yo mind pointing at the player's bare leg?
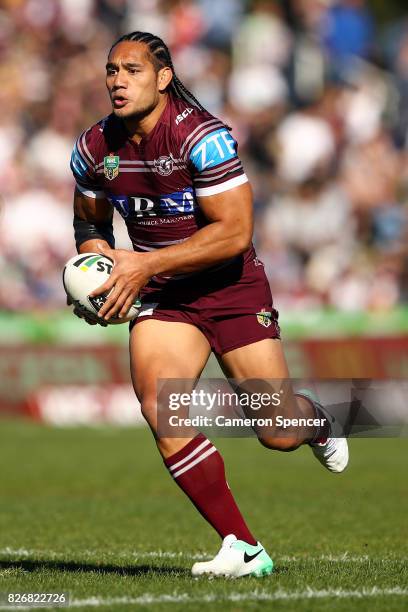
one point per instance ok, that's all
(177, 350)
(160, 350)
(265, 360)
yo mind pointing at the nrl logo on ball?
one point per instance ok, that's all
(164, 165)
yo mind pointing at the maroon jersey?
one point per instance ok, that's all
(154, 184)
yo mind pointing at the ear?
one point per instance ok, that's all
(164, 77)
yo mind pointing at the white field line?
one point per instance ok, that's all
(96, 554)
(183, 598)
(166, 554)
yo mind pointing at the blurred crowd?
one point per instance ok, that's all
(316, 92)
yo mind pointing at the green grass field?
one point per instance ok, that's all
(93, 512)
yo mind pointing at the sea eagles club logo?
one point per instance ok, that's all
(111, 166)
(164, 165)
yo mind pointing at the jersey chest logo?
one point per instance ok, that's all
(111, 166)
(137, 207)
(164, 165)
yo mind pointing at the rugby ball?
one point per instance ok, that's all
(86, 272)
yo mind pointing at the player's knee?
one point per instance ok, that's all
(148, 407)
(281, 444)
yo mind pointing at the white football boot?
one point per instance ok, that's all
(333, 453)
(235, 559)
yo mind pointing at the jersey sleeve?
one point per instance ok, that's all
(83, 167)
(212, 152)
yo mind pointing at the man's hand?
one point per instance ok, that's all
(83, 313)
(127, 278)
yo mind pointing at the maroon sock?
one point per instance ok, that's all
(198, 469)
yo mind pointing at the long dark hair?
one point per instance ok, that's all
(161, 58)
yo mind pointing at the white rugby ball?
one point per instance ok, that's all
(84, 273)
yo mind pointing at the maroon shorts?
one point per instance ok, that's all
(232, 307)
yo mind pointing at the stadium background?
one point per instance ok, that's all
(317, 95)
(316, 92)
